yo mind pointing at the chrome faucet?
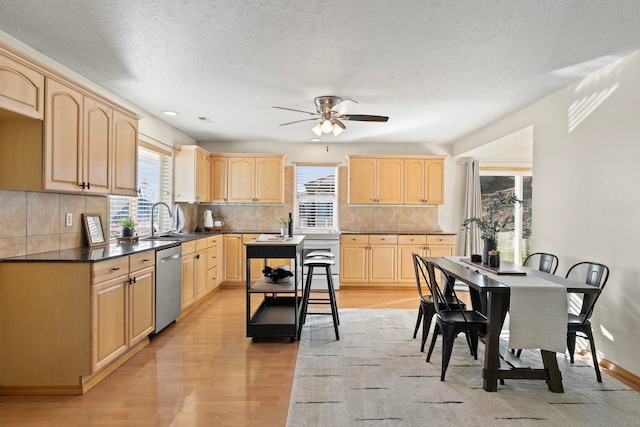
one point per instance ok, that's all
(152, 209)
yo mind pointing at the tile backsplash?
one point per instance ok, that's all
(32, 222)
(352, 218)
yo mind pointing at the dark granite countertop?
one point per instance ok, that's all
(94, 254)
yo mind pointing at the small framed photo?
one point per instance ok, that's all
(93, 228)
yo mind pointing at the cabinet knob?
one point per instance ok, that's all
(115, 268)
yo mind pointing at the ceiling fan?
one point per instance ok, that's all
(331, 111)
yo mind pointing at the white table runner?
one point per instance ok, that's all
(537, 311)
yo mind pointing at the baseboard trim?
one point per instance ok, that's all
(40, 390)
(621, 372)
(344, 285)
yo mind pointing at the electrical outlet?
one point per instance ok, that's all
(68, 219)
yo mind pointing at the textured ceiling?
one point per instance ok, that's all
(438, 69)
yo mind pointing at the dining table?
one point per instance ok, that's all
(490, 294)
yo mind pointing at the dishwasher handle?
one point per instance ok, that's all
(169, 258)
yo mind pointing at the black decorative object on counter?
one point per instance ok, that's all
(290, 231)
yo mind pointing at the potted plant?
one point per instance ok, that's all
(494, 220)
(128, 226)
(284, 226)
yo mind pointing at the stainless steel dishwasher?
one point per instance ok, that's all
(168, 286)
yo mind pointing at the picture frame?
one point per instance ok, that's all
(93, 229)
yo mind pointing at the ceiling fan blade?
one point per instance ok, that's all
(299, 111)
(364, 118)
(297, 121)
(345, 105)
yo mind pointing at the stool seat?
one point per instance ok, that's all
(320, 261)
(326, 254)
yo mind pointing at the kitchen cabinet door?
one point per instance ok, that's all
(218, 166)
(269, 179)
(188, 268)
(233, 258)
(241, 182)
(109, 321)
(375, 180)
(141, 304)
(362, 180)
(125, 155)
(192, 174)
(424, 181)
(21, 88)
(96, 154)
(389, 178)
(383, 258)
(407, 244)
(434, 187)
(200, 274)
(63, 159)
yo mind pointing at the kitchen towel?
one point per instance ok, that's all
(177, 218)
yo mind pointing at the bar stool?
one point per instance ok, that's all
(320, 259)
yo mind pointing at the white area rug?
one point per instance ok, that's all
(377, 376)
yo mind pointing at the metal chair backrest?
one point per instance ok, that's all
(591, 273)
(542, 261)
(422, 278)
(440, 301)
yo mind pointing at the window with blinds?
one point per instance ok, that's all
(316, 198)
(154, 185)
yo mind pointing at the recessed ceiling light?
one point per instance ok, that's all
(316, 139)
(170, 113)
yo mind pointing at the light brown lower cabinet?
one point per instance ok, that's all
(123, 295)
(386, 259)
(194, 271)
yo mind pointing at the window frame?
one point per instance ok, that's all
(138, 207)
(324, 199)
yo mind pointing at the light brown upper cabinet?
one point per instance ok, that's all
(375, 180)
(61, 136)
(21, 89)
(258, 179)
(218, 181)
(191, 174)
(64, 145)
(424, 181)
(125, 155)
(89, 147)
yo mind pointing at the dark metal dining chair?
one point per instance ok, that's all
(451, 320)
(426, 309)
(542, 261)
(594, 274)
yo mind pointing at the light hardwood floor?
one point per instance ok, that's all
(200, 371)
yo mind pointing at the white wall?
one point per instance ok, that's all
(586, 200)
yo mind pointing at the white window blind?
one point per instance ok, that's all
(154, 185)
(316, 198)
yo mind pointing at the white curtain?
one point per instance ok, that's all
(473, 208)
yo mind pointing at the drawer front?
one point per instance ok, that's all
(383, 239)
(202, 244)
(188, 247)
(440, 240)
(346, 239)
(413, 239)
(212, 257)
(107, 270)
(212, 241)
(142, 260)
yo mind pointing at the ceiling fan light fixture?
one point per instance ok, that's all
(326, 126)
(317, 129)
(338, 127)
